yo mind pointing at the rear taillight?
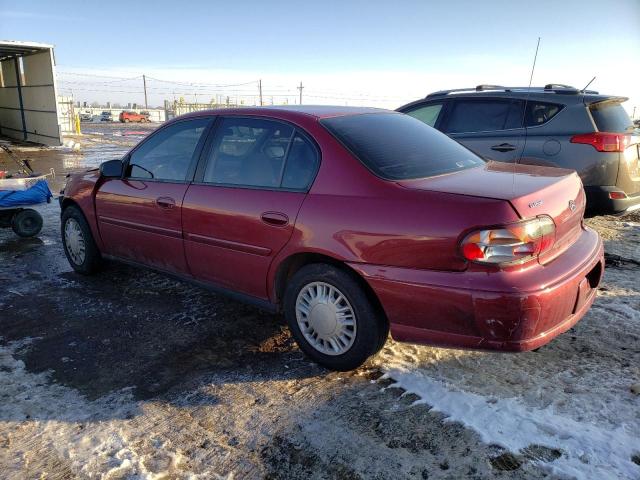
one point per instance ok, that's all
(509, 244)
(617, 195)
(603, 141)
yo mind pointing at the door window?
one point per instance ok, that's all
(478, 116)
(427, 114)
(301, 166)
(168, 154)
(262, 153)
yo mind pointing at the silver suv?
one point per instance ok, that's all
(554, 125)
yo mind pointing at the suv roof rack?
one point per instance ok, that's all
(550, 87)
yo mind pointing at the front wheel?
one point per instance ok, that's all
(331, 317)
(78, 243)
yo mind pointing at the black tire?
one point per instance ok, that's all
(371, 325)
(92, 259)
(26, 223)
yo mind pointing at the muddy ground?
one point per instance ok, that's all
(129, 374)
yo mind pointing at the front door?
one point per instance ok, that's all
(241, 210)
(140, 215)
(490, 127)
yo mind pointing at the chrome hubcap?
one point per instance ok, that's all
(74, 241)
(326, 318)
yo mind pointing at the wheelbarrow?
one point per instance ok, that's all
(18, 194)
(15, 206)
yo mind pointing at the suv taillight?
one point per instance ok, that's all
(510, 244)
(603, 141)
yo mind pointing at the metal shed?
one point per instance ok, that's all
(28, 106)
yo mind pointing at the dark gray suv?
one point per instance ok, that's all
(556, 125)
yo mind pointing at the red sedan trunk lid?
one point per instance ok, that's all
(531, 190)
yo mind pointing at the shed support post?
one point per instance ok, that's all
(19, 85)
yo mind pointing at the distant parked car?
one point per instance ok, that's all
(560, 127)
(126, 117)
(106, 117)
(351, 221)
(86, 117)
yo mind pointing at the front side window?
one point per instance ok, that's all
(427, 114)
(168, 154)
(399, 147)
(255, 152)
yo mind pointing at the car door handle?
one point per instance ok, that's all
(504, 147)
(275, 218)
(165, 202)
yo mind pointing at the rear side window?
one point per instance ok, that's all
(478, 116)
(168, 154)
(611, 117)
(255, 152)
(399, 147)
(302, 163)
(427, 114)
(539, 113)
(248, 151)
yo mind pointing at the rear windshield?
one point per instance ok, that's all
(399, 147)
(611, 117)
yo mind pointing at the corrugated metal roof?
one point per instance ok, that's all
(12, 48)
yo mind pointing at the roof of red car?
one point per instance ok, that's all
(317, 111)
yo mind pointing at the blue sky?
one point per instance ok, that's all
(392, 49)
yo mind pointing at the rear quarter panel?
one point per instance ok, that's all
(550, 145)
(352, 216)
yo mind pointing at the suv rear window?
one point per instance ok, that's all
(399, 147)
(611, 117)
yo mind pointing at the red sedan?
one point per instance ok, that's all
(350, 221)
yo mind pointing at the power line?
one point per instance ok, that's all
(197, 85)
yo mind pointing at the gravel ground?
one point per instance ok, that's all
(129, 374)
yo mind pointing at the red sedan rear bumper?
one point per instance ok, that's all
(513, 310)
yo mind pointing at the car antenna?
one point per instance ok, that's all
(524, 112)
(585, 87)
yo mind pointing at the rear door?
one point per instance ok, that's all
(490, 127)
(241, 209)
(140, 215)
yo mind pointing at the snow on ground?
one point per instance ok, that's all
(573, 396)
(94, 438)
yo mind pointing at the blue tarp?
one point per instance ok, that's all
(38, 193)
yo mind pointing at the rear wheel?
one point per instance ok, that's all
(79, 246)
(331, 317)
(27, 223)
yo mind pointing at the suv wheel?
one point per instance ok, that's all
(79, 246)
(331, 317)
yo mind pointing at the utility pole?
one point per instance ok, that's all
(300, 88)
(260, 90)
(144, 82)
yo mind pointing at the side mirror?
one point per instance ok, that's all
(111, 169)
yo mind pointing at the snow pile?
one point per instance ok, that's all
(588, 451)
(575, 395)
(54, 423)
